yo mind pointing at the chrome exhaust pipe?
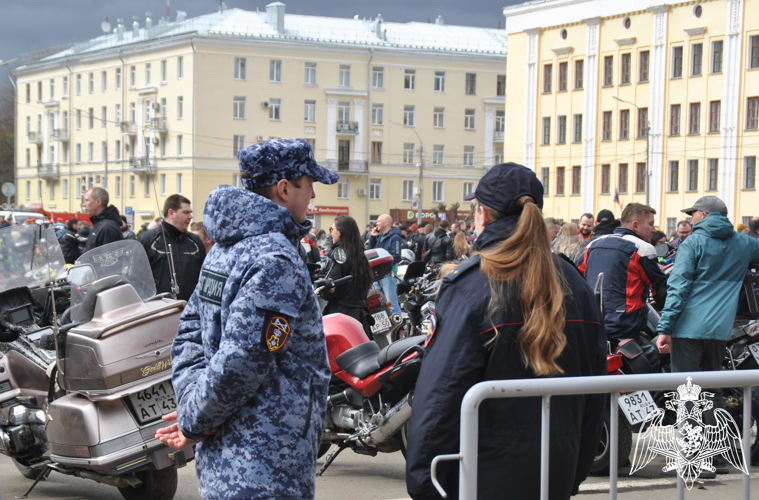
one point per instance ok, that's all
(334, 437)
(393, 420)
(5, 443)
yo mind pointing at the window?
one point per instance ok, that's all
(605, 179)
(692, 175)
(606, 132)
(408, 190)
(90, 87)
(753, 52)
(674, 176)
(438, 154)
(179, 183)
(275, 71)
(309, 111)
(310, 75)
(180, 67)
(240, 70)
(164, 71)
(749, 172)
(717, 56)
(468, 188)
(408, 152)
(117, 150)
(752, 113)
(345, 75)
(469, 119)
(409, 79)
(275, 109)
(439, 81)
(78, 84)
(375, 189)
(642, 123)
(28, 93)
(39, 190)
(624, 69)
(608, 71)
(408, 116)
(147, 74)
(91, 118)
(78, 153)
(117, 114)
(438, 118)
(378, 77)
(624, 124)
(546, 130)
(674, 119)
(500, 85)
(468, 156)
(694, 125)
(563, 70)
(500, 116)
(146, 186)
(179, 145)
(65, 189)
(163, 147)
(103, 81)
(579, 76)
(238, 142)
(713, 173)
(52, 89)
(576, 177)
(377, 114)
(65, 86)
(547, 78)
(91, 152)
(561, 135)
(438, 191)
(622, 179)
(28, 157)
(643, 70)
(559, 181)
(132, 112)
(577, 128)
(180, 108)
(545, 176)
(671, 225)
(132, 76)
(343, 186)
(677, 62)
(471, 84)
(376, 152)
(162, 184)
(697, 59)
(640, 178)
(714, 111)
(131, 186)
(343, 112)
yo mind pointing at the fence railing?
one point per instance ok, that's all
(612, 385)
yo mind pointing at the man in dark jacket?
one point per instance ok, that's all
(70, 242)
(127, 233)
(187, 249)
(384, 235)
(105, 218)
(439, 248)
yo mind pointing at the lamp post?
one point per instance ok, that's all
(421, 172)
(648, 134)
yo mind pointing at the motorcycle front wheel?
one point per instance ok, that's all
(156, 485)
(600, 465)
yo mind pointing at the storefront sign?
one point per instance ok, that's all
(320, 210)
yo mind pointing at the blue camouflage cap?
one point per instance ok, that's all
(267, 163)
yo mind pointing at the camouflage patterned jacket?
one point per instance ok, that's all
(250, 356)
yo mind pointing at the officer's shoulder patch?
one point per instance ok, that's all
(277, 332)
(211, 286)
(462, 268)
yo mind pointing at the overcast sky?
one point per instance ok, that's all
(30, 25)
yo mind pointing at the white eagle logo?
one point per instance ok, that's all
(109, 258)
(689, 445)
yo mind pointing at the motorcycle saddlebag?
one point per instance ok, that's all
(633, 360)
(748, 306)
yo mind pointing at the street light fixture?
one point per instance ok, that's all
(648, 133)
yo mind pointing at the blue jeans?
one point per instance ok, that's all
(388, 287)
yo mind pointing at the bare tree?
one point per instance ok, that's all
(7, 131)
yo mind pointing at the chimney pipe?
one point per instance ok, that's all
(119, 29)
(181, 16)
(439, 20)
(275, 16)
(378, 26)
(135, 26)
(148, 23)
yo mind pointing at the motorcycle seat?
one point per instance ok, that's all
(389, 354)
(360, 361)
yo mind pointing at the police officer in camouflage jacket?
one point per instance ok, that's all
(250, 359)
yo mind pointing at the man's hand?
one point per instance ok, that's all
(664, 344)
(173, 437)
(375, 231)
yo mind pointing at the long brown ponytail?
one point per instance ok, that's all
(525, 260)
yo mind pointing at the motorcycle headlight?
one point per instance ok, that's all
(752, 329)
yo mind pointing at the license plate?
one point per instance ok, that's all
(381, 322)
(754, 350)
(154, 402)
(637, 406)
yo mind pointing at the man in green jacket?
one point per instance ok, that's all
(703, 291)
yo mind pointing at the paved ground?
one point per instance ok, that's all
(380, 478)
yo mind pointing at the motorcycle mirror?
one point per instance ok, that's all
(81, 274)
(662, 250)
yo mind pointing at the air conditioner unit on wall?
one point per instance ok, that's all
(260, 138)
(362, 192)
(265, 104)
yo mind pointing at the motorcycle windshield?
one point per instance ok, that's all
(29, 256)
(124, 258)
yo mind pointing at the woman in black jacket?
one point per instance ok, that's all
(512, 311)
(347, 258)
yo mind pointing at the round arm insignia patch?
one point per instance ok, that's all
(277, 333)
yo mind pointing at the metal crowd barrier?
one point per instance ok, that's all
(612, 385)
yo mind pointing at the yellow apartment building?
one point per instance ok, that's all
(652, 100)
(156, 108)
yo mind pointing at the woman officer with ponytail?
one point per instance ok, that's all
(513, 311)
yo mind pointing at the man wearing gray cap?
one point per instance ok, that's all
(250, 363)
(703, 293)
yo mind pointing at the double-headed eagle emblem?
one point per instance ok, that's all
(109, 258)
(689, 445)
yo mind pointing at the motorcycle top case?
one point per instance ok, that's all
(748, 306)
(380, 261)
(126, 341)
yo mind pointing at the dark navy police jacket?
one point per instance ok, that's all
(509, 434)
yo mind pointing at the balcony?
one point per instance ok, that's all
(158, 125)
(349, 128)
(35, 137)
(498, 136)
(128, 128)
(48, 170)
(142, 164)
(61, 134)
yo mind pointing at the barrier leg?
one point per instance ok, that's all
(747, 403)
(545, 441)
(613, 444)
